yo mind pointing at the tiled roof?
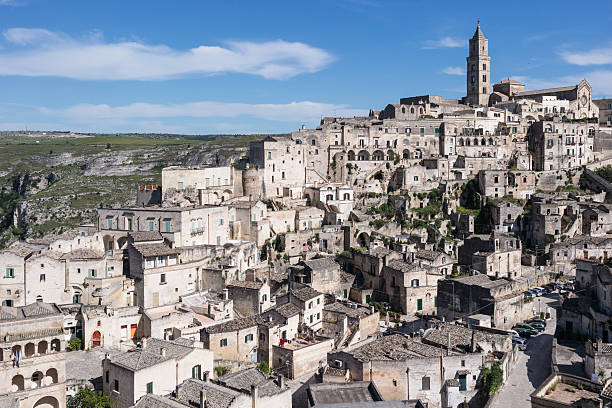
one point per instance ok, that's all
(321, 263)
(305, 293)
(35, 309)
(234, 324)
(287, 310)
(150, 354)
(148, 250)
(216, 396)
(246, 284)
(460, 337)
(19, 250)
(336, 393)
(157, 401)
(338, 307)
(242, 380)
(394, 347)
(402, 266)
(83, 254)
(144, 236)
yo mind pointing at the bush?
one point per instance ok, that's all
(264, 367)
(547, 315)
(75, 344)
(221, 371)
(86, 398)
(493, 378)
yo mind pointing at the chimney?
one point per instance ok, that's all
(372, 309)
(281, 381)
(205, 376)
(254, 396)
(202, 397)
(449, 345)
(178, 392)
(163, 352)
(225, 294)
(473, 342)
(143, 343)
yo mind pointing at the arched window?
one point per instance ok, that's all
(403, 110)
(414, 283)
(411, 110)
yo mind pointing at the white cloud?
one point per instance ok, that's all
(39, 52)
(290, 112)
(444, 42)
(599, 56)
(454, 71)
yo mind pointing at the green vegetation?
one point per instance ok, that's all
(86, 398)
(76, 189)
(463, 210)
(493, 378)
(264, 368)
(605, 172)
(221, 371)
(75, 344)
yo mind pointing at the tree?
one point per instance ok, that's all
(493, 378)
(264, 367)
(75, 344)
(86, 398)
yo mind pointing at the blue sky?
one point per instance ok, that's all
(257, 67)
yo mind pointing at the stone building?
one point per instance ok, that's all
(503, 183)
(245, 389)
(111, 328)
(189, 226)
(128, 376)
(505, 216)
(557, 145)
(324, 275)
(235, 340)
(12, 280)
(565, 254)
(598, 359)
(250, 297)
(249, 221)
(368, 266)
(478, 70)
(349, 324)
(31, 346)
(411, 288)
(183, 186)
(500, 299)
(605, 111)
(404, 369)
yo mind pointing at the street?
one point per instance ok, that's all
(533, 365)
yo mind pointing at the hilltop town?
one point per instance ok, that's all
(436, 253)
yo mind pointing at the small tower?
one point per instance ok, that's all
(478, 70)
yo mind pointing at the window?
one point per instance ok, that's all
(425, 383)
(484, 78)
(151, 225)
(484, 90)
(248, 338)
(313, 142)
(10, 273)
(181, 186)
(318, 316)
(310, 305)
(422, 131)
(109, 222)
(269, 155)
(162, 278)
(310, 318)
(419, 304)
(116, 386)
(462, 363)
(414, 283)
(76, 298)
(318, 301)
(43, 278)
(196, 372)
(221, 221)
(484, 67)
(92, 273)
(223, 343)
(149, 263)
(167, 226)
(150, 388)
(106, 375)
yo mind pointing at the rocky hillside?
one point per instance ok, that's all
(50, 183)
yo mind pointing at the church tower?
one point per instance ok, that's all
(478, 70)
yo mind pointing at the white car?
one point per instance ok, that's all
(519, 340)
(514, 333)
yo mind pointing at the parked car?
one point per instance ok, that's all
(514, 333)
(537, 320)
(525, 333)
(522, 343)
(538, 326)
(525, 328)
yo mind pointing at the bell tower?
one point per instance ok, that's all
(478, 70)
